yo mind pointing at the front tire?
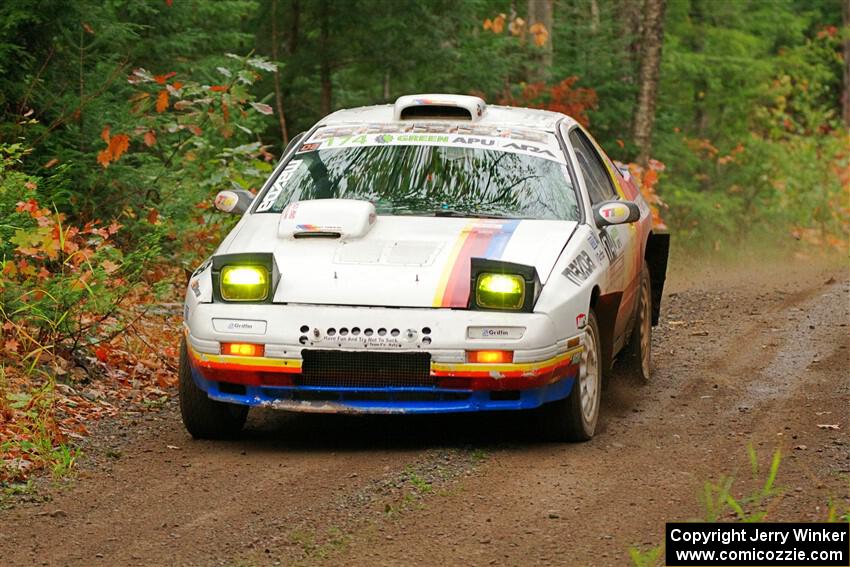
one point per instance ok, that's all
(205, 418)
(574, 418)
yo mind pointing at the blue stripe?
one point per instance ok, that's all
(500, 241)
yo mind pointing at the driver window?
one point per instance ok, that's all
(598, 182)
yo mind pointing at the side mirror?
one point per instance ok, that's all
(615, 212)
(235, 201)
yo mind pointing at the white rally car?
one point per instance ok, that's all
(435, 255)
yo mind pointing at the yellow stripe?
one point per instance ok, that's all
(450, 263)
(512, 367)
(245, 360)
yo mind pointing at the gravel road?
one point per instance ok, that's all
(753, 354)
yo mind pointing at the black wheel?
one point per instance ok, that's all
(205, 418)
(638, 354)
(574, 418)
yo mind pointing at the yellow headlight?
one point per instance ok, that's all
(500, 291)
(244, 283)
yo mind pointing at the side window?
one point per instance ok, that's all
(596, 177)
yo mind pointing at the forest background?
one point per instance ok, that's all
(120, 120)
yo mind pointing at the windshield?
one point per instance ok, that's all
(428, 180)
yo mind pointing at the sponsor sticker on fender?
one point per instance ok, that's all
(580, 268)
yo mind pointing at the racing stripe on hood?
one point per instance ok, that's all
(478, 239)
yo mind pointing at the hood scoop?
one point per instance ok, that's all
(344, 219)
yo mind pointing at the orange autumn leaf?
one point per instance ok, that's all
(219, 88)
(104, 157)
(118, 144)
(499, 23)
(162, 101)
(104, 134)
(150, 138)
(162, 79)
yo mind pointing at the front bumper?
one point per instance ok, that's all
(544, 369)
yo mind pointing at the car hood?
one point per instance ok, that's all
(400, 261)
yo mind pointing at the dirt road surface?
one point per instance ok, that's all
(757, 354)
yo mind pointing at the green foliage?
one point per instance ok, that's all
(748, 122)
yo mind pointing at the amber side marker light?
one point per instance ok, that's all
(242, 349)
(490, 356)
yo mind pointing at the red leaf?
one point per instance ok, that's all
(162, 79)
(177, 85)
(219, 88)
(102, 353)
(114, 226)
(153, 216)
(162, 101)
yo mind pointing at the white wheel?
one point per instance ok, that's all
(574, 418)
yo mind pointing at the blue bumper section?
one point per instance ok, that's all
(384, 400)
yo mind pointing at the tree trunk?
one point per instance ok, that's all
(278, 92)
(845, 95)
(540, 12)
(325, 64)
(650, 64)
(594, 16)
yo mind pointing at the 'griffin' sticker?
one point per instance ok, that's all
(580, 268)
(495, 332)
(279, 184)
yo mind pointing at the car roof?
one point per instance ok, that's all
(492, 115)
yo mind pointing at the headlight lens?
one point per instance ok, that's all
(500, 291)
(244, 283)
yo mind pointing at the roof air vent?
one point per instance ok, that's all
(439, 107)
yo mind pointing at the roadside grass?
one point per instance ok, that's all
(719, 504)
(34, 440)
(49, 399)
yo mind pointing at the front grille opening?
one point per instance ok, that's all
(314, 396)
(340, 369)
(228, 388)
(364, 396)
(505, 395)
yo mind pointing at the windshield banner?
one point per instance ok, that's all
(507, 140)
